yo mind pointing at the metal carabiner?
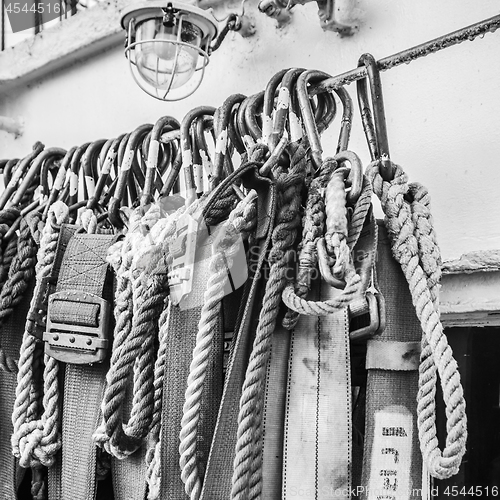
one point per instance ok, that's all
(164, 124)
(354, 179)
(309, 116)
(282, 106)
(376, 127)
(222, 125)
(18, 174)
(255, 102)
(186, 151)
(268, 104)
(129, 154)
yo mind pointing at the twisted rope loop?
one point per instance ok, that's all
(227, 244)
(246, 481)
(36, 439)
(414, 246)
(138, 302)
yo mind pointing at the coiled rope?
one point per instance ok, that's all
(242, 219)
(247, 462)
(414, 246)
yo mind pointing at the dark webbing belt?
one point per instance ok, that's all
(83, 273)
(217, 484)
(392, 463)
(12, 333)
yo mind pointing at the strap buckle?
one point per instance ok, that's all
(376, 316)
(77, 343)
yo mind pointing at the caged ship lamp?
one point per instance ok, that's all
(168, 46)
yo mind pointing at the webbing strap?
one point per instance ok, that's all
(129, 475)
(274, 412)
(12, 333)
(217, 484)
(317, 457)
(181, 339)
(83, 269)
(392, 464)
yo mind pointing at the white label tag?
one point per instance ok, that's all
(390, 469)
(73, 183)
(154, 148)
(127, 160)
(221, 143)
(283, 98)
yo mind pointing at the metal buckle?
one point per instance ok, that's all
(77, 344)
(376, 312)
(37, 317)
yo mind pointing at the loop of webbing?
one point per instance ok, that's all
(414, 246)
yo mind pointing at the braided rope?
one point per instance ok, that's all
(7, 217)
(35, 441)
(313, 228)
(248, 446)
(227, 245)
(21, 272)
(414, 246)
(154, 447)
(360, 213)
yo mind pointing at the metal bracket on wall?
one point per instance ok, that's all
(327, 11)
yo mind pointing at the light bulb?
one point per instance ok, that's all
(165, 51)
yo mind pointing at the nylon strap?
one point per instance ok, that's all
(317, 457)
(217, 484)
(274, 412)
(11, 474)
(129, 475)
(83, 269)
(392, 464)
(181, 339)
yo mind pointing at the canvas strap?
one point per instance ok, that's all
(12, 333)
(77, 334)
(181, 341)
(392, 464)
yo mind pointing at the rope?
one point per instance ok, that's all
(7, 217)
(313, 228)
(414, 246)
(138, 303)
(227, 244)
(247, 462)
(36, 440)
(21, 272)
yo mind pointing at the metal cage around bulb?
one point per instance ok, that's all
(168, 46)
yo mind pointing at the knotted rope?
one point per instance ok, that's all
(35, 440)
(247, 462)
(414, 246)
(228, 242)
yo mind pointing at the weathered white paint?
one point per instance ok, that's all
(443, 112)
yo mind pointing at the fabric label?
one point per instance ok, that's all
(390, 469)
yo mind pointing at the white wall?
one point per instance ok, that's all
(443, 111)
